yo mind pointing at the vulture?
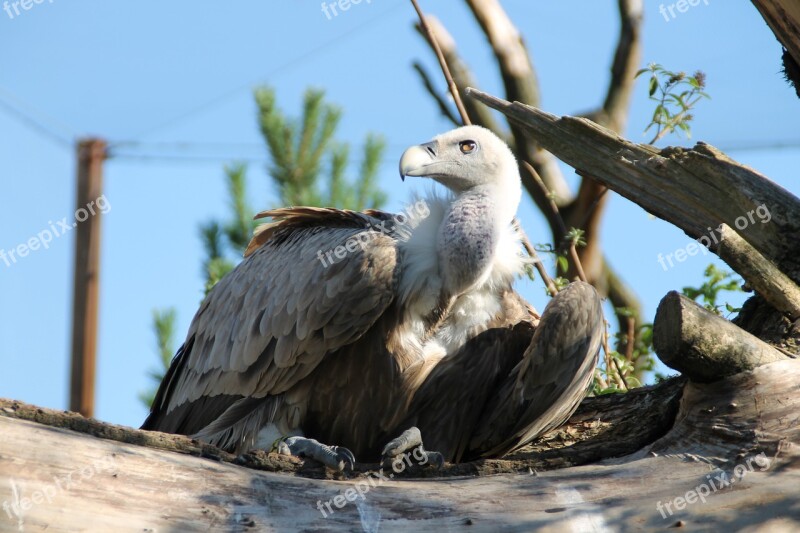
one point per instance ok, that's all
(348, 334)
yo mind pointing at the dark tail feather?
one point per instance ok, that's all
(158, 410)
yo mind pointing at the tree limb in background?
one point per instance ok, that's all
(521, 84)
(434, 42)
(586, 210)
(440, 100)
(626, 62)
(588, 207)
(462, 76)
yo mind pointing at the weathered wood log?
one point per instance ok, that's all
(734, 447)
(783, 18)
(602, 427)
(759, 272)
(702, 345)
(696, 190)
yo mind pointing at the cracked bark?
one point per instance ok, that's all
(783, 18)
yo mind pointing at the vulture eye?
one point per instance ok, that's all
(467, 147)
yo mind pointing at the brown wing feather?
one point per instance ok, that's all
(270, 322)
(446, 406)
(551, 380)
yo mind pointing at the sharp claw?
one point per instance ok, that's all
(345, 455)
(408, 440)
(334, 457)
(283, 448)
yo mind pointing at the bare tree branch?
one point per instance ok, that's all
(519, 79)
(444, 108)
(431, 36)
(626, 62)
(462, 76)
(586, 211)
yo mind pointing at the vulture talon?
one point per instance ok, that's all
(410, 441)
(347, 455)
(336, 458)
(435, 459)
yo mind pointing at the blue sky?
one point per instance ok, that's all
(147, 73)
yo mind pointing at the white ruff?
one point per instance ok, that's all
(420, 284)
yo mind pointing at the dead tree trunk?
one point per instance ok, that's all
(783, 18)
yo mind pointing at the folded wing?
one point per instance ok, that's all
(270, 322)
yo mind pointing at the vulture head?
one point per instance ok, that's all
(469, 158)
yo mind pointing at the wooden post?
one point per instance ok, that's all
(91, 153)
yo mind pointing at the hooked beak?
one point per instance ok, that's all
(417, 159)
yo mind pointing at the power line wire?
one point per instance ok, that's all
(67, 135)
(177, 151)
(189, 146)
(216, 159)
(759, 146)
(47, 126)
(182, 146)
(64, 138)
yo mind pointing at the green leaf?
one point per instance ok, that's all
(653, 85)
(732, 309)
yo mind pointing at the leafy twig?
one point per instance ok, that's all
(676, 94)
(716, 281)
